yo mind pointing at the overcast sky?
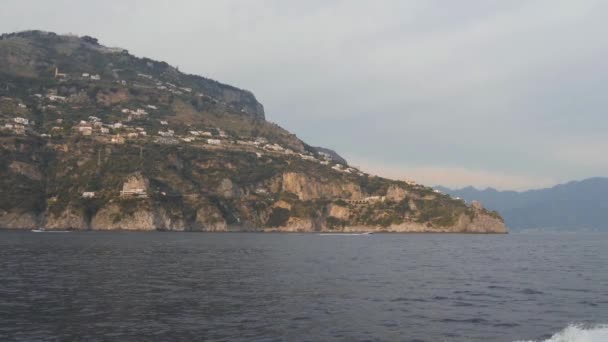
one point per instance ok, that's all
(510, 94)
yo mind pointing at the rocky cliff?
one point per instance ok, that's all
(93, 138)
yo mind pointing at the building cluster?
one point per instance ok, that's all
(182, 90)
(91, 77)
(166, 86)
(17, 125)
(88, 194)
(121, 131)
(368, 200)
(84, 75)
(134, 114)
(133, 192)
(201, 133)
(155, 83)
(350, 170)
(118, 132)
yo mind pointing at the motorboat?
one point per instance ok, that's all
(345, 234)
(42, 230)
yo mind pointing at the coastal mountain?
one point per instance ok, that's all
(580, 205)
(94, 138)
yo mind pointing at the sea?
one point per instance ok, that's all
(120, 286)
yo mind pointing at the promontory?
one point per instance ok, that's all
(94, 138)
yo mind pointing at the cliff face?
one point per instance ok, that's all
(87, 184)
(308, 187)
(93, 138)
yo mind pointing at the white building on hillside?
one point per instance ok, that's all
(22, 121)
(88, 194)
(56, 98)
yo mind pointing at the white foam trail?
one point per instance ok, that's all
(580, 333)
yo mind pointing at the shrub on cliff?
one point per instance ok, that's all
(278, 218)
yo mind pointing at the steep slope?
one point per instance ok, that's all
(580, 205)
(95, 138)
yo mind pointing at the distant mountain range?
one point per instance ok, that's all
(579, 205)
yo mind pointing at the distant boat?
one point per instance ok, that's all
(42, 230)
(345, 234)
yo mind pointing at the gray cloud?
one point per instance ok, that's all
(508, 91)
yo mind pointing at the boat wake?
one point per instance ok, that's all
(344, 234)
(581, 333)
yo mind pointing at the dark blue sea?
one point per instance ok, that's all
(120, 286)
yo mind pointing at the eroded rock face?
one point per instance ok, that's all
(412, 205)
(295, 225)
(165, 219)
(25, 169)
(216, 201)
(479, 221)
(396, 193)
(245, 98)
(308, 188)
(339, 212)
(15, 219)
(485, 224)
(136, 182)
(282, 204)
(227, 189)
(111, 217)
(482, 224)
(209, 219)
(477, 205)
(68, 219)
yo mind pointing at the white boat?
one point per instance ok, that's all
(42, 230)
(345, 234)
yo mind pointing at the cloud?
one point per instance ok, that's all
(586, 153)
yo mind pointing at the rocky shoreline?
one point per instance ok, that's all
(463, 228)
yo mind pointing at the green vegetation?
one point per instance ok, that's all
(443, 211)
(278, 217)
(335, 223)
(374, 185)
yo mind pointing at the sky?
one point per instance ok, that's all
(489, 93)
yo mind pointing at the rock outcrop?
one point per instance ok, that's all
(17, 219)
(308, 187)
(396, 193)
(70, 219)
(112, 217)
(25, 169)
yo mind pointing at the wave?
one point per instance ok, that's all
(581, 333)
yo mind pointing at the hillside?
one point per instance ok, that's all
(95, 138)
(580, 205)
